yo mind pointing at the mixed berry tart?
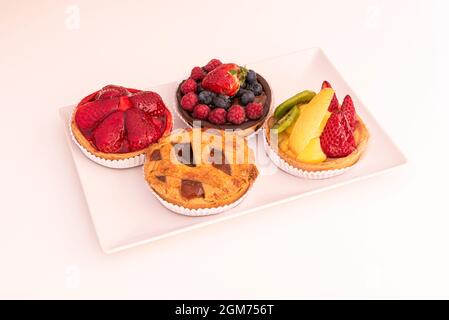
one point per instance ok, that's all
(224, 96)
(115, 125)
(314, 136)
(200, 172)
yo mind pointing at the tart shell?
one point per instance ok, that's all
(327, 169)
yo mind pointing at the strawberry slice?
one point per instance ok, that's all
(141, 130)
(348, 110)
(326, 85)
(337, 139)
(111, 91)
(334, 105)
(225, 79)
(89, 115)
(108, 136)
(149, 102)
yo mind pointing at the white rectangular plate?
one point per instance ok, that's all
(126, 214)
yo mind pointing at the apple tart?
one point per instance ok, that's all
(200, 171)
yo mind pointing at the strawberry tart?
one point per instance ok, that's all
(313, 136)
(224, 96)
(115, 125)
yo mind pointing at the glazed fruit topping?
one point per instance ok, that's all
(110, 133)
(254, 111)
(89, 115)
(120, 120)
(236, 114)
(217, 116)
(197, 73)
(348, 110)
(141, 130)
(188, 86)
(189, 101)
(211, 65)
(337, 139)
(221, 86)
(334, 105)
(225, 79)
(201, 111)
(149, 102)
(112, 91)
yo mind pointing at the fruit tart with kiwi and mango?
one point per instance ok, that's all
(315, 137)
(198, 172)
(224, 96)
(115, 125)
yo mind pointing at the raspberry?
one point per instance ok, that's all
(201, 111)
(189, 101)
(236, 114)
(217, 116)
(254, 111)
(197, 74)
(188, 86)
(212, 65)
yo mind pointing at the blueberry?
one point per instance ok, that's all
(256, 88)
(199, 88)
(251, 76)
(247, 97)
(221, 101)
(241, 92)
(205, 97)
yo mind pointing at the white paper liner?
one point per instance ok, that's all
(284, 166)
(132, 162)
(196, 212)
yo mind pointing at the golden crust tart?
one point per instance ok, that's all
(200, 168)
(118, 123)
(361, 137)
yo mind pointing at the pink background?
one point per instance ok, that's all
(382, 238)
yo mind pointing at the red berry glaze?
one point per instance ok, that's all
(236, 114)
(90, 114)
(109, 134)
(217, 116)
(141, 130)
(149, 102)
(337, 139)
(201, 111)
(211, 65)
(111, 91)
(197, 74)
(120, 120)
(188, 86)
(189, 101)
(254, 111)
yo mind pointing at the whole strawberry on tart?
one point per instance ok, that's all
(115, 125)
(314, 136)
(224, 96)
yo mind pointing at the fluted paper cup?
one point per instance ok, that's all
(131, 162)
(286, 167)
